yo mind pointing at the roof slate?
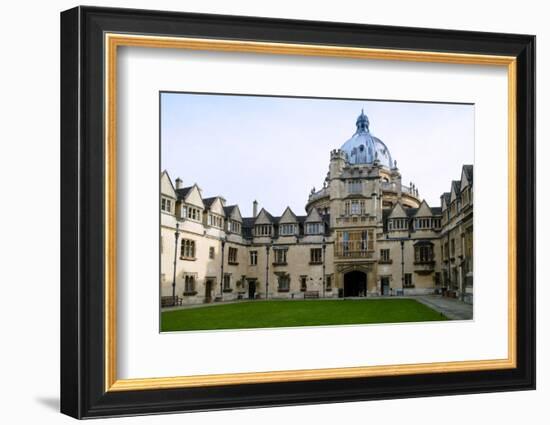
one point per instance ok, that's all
(469, 171)
(209, 201)
(182, 193)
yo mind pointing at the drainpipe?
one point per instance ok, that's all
(448, 252)
(221, 280)
(402, 266)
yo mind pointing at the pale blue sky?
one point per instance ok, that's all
(276, 149)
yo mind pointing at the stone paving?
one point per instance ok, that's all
(453, 308)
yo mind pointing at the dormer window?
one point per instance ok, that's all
(234, 226)
(313, 228)
(398, 224)
(263, 229)
(287, 229)
(424, 223)
(191, 213)
(215, 221)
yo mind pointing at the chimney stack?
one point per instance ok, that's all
(255, 208)
(179, 183)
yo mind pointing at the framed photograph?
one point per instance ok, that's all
(261, 212)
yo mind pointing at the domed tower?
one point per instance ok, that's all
(364, 148)
(361, 188)
(363, 165)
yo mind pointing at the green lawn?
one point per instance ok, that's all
(274, 314)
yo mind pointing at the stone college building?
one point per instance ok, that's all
(365, 234)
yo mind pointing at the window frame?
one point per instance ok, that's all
(315, 253)
(188, 249)
(277, 253)
(232, 255)
(287, 229)
(253, 255)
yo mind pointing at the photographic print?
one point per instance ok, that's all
(289, 211)
(310, 212)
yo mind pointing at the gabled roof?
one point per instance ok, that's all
(167, 187)
(264, 215)
(436, 210)
(187, 194)
(455, 186)
(468, 169)
(314, 216)
(467, 176)
(233, 212)
(445, 200)
(398, 211)
(165, 173)
(455, 189)
(182, 193)
(229, 209)
(288, 216)
(214, 204)
(209, 201)
(423, 210)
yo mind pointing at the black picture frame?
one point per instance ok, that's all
(83, 392)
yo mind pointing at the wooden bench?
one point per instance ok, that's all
(311, 294)
(169, 301)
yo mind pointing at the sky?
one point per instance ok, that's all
(275, 149)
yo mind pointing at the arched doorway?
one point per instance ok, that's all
(355, 284)
(251, 289)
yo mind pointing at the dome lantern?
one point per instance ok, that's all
(362, 122)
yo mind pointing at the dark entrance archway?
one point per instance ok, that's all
(208, 291)
(355, 284)
(251, 289)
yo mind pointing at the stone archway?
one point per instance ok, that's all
(355, 284)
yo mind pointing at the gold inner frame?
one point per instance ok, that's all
(113, 41)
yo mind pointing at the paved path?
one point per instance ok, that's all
(451, 307)
(190, 306)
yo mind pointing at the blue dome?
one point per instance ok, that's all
(364, 148)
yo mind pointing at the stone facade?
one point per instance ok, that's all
(364, 234)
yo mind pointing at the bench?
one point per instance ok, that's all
(169, 301)
(311, 294)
